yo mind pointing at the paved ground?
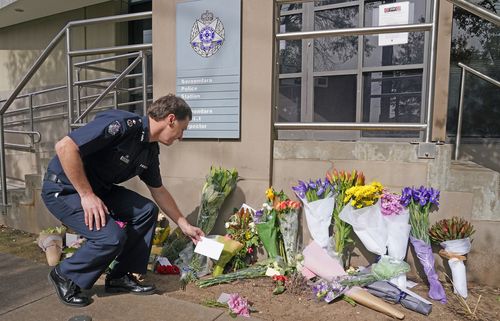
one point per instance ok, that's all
(25, 295)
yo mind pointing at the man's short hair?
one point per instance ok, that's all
(169, 104)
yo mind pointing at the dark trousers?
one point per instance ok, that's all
(129, 245)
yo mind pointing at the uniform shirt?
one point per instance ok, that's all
(114, 147)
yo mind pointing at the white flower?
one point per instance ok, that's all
(267, 206)
(226, 225)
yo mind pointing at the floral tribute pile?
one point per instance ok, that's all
(335, 208)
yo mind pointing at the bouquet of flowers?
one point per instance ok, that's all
(267, 224)
(318, 200)
(255, 271)
(178, 247)
(241, 227)
(362, 212)
(396, 218)
(341, 182)
(231, 248)
(288, 217)
(328, 291)
(454, 236)
(419, 202)
(218, 185)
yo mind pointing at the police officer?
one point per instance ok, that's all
(80, 190)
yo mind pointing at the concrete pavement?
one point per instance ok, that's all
(26, 295)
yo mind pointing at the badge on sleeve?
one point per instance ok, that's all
(114, 128)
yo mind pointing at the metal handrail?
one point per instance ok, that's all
(107, 90)
(36, 93)
(30, 133)
(477, 10)
(351, 126)
(65, 31)
(99, 51)
(461, 100)
(106, 59)
(353, 31)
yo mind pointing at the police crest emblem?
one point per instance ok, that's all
(114, 128)
(207, 35)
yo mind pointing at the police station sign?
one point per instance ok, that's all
(208, 53)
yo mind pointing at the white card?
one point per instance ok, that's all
(210, 248)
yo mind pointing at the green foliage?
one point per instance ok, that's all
(54, 230)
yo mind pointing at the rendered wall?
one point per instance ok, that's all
(185, 164)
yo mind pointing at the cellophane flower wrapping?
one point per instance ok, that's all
(426, 258)
(419, 201)
(289, 228)
(458, 273)
(231, 247)
(268, 234)
(342, 181)
(318, 199)
(396, 218)
(369, 226)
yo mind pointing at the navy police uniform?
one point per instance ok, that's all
(114, 147)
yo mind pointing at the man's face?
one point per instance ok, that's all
(173, 129)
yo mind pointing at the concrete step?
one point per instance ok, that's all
(482, 182)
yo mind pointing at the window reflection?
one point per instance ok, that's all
(289, 100)
(392, 97)
(476, 43)
(339, 53)
(335, 99)
(291, 50)
(290, 7)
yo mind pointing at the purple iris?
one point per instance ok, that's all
(421, 195)
(434, 196)
(300, 189)
(258, 216)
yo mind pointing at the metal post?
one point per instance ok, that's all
(275, 88)
(144, 83)
(32, 125)
(115, 98)
(2, 165)
(432, 72)
(69, 81)
(78, 106)
(460, 113)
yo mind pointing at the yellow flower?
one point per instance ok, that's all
(248, 235)
(270, 193)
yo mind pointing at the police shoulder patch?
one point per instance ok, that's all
(114, 128)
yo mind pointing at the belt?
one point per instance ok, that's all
(51, 178)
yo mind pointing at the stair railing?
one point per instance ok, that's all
(66, 31)
(473, 71)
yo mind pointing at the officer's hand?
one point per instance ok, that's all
(194, 233)
(95, 211)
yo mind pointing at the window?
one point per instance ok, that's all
(351, 78)
(476, 43)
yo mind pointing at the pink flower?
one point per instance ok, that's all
(390, 204)
(238, 305)
(250, 250)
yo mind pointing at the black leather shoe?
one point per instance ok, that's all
(127, 283)
(68, 292)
